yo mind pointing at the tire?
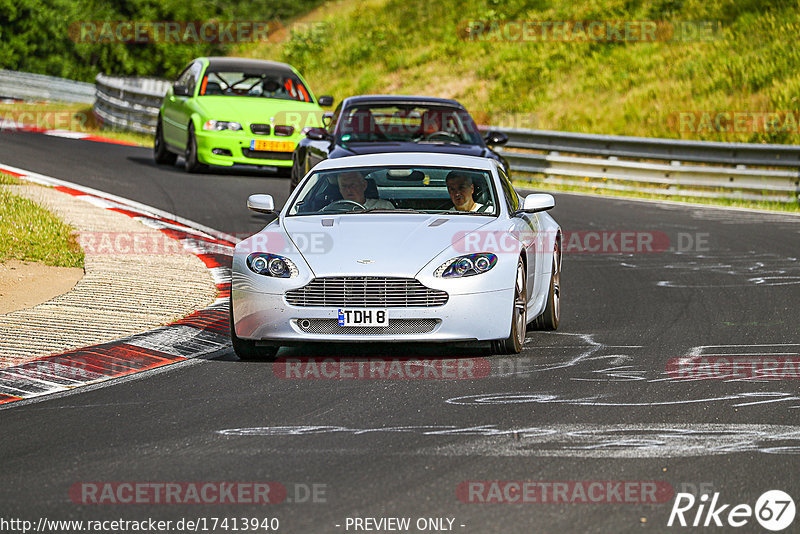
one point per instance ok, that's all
(551, 316)
(296, 173)
(161, 155)
(514, 343)
(191, 163)
(246, 349)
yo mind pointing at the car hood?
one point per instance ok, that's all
(248, 110)
(356, 149)
(387, 244)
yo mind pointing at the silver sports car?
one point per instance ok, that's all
(398, 247)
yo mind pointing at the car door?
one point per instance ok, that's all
(177, 111)
(526, 227)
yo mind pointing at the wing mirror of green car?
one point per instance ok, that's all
(180, 90)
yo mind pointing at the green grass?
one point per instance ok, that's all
(8, 179)
(414, 47)
(29, 232)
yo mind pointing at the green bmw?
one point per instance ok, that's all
(233, 111)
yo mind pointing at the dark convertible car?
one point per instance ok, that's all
(372, 124)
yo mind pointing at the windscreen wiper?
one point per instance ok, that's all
(385, 210)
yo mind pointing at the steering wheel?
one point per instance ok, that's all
(343, 202)
(441, 133)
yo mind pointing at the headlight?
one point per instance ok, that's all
(271, 265)
(468, 265)
(222, 125)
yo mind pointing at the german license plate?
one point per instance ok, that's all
(363, 317)
(271, 146)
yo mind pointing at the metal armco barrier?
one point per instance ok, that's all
(644, 164)
(129, 103)
(27, 86)
(686, 168)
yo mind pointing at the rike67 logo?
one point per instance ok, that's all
(774, 510)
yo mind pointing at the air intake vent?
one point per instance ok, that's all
(366, 292)
(260, 129)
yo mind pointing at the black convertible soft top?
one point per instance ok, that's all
(235, 64)
(400, 99)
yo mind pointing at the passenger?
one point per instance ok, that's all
(461, 187)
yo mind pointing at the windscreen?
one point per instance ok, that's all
(379, 122)
(278, 85)
(397, 189)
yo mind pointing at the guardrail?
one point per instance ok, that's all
(27, 86)
(129, 103)
(643, 164)
(672, 167)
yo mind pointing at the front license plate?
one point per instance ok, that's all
(271, 146)
(363, 317)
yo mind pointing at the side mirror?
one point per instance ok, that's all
(325, 101)
(318, 134)
(179, 90)
(538, 202)
(261, 203)
(496, 138)
(327, 118)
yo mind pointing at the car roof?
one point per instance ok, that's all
(432, 159)
(400, 99)
(239, 63)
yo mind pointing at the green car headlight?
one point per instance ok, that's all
(216, 126)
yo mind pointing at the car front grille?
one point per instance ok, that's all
(266, 154)
(394, 328)
(260, 129)
(366, 292)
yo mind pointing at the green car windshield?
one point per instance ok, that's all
(277, 85)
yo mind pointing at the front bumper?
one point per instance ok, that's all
(238, 144)
(465, 317)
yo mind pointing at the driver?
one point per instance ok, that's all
(352, 185)
(461, 188)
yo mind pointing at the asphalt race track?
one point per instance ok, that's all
(592, 402)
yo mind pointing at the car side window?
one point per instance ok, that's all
(183, 78)
(512, 199)
(335, 119)
(193, 77)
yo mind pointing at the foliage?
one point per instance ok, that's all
(748, 63)
(44, 36)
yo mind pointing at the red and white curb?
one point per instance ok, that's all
(11, 126)
(202, 333)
